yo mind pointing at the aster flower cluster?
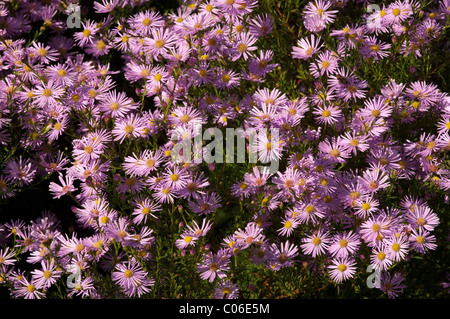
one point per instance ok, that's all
(344, 147)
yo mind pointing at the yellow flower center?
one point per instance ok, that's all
(352, 89)
(62, 72)
(42, 52)
(129, 129)
(376, 227)
(47, 92)
(214, 267)
(242, 47)
(335, 152)
(421, 221)
(158, 77)
(100, 45)
(310, 209)
(104, 220)
(420, 240)
(114, 106)
(159, 43)
(226, 78)
(343, 243)
(325, 64)
(146, 22)
(342, 267)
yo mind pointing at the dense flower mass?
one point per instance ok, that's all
(97, 114)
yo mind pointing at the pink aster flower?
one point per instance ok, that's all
(195, 184)
(375, 49)
(346, 85)
(267, 150)
(7, 257)
(392, 285)
(227, 79)
(283, 256)
(334, 150)
(314, 23)
(130, 276)
(422, 217)
(250, 235)
(65, 187)
(342, 269)
(310, 210)
(375, 229)
(214, 265)
(164, 194)
(366, 206)
(320, 9)
(261, 25)
(105, 6)
(61, 74)
(143, 209)
(306, 48)
(160, 42)
(48, 93)
(46, 277)
(325, 64)
(131, 184)
(98, 47)
(27, 290)
(20, 171)
(355, 142)
(130, 127)
(186, 240)
(375, 108)
(380, 259)
(90, 28)
(198, 230)
(344, 244)
(84, 288)
(316, 244)
(397, 246)
(143, 22)
(226, 290)
(422, 241)
(116, 104)
(243, 46)
(374, 180)
(289, 224)
(43, 54)
(398, 12)
(205, 204)
(328, 114)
